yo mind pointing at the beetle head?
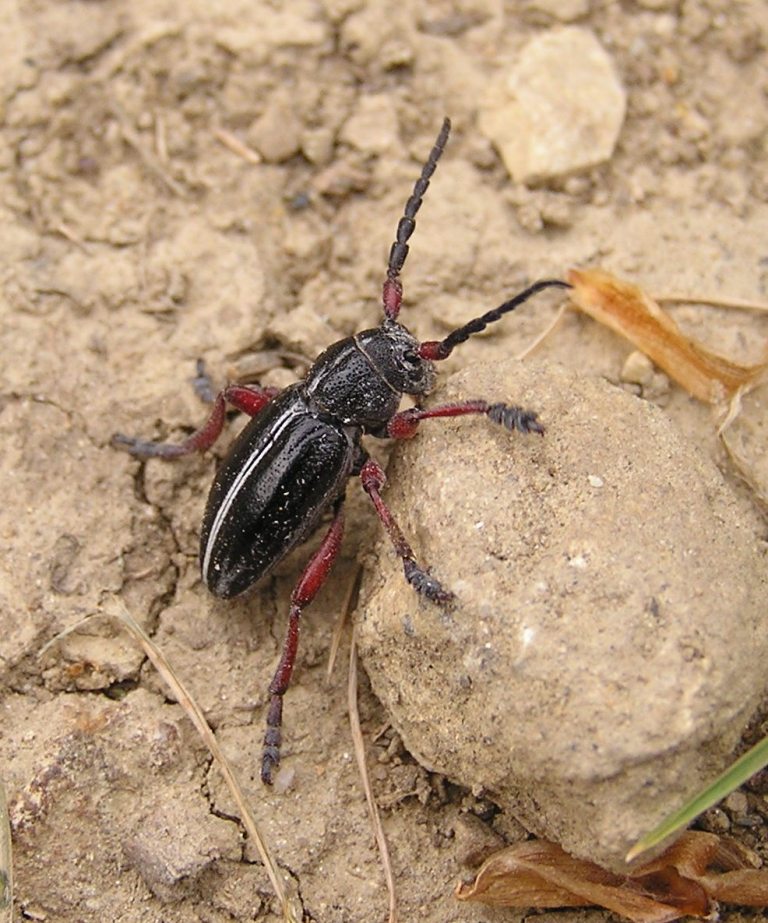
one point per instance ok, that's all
(394, 352)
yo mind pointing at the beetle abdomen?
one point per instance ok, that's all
(286, 467)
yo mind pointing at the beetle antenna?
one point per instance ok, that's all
(441, 349)
(393, 289)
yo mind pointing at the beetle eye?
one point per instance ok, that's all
(411, 357)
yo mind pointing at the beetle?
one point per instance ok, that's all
(291, 463)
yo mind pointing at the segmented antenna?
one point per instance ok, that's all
(392, 295)
(441, 349)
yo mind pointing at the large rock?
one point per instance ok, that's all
(608, 640)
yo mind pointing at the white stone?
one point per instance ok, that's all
(558, 110)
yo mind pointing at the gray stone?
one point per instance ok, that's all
(608, 639)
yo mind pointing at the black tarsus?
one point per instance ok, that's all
(203, 384)
(512, 417)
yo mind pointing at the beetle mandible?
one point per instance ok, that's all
(291, 462)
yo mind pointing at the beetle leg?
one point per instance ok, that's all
(373, 479)
(202, 383)
(304, 592)
(249, 399)
(403, 425)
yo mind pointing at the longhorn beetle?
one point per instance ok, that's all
(292, 461)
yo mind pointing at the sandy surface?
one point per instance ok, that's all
(135, 237)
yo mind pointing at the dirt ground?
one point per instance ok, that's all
(179, 181)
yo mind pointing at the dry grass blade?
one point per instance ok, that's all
(70, 629)
(738, 304)
(290, 908)
(237, 146)
(550, 328)
(633, 314)
(6, 861)
(749, 763)
(341, 621)
(359, 747)
(150, 160)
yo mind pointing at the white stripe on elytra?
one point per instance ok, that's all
(237, 485)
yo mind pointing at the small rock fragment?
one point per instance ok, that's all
(372, 128)
(277, 134)
(317, 145)
(175, 841)
(638, 369)
(559, 109)
(562, 10)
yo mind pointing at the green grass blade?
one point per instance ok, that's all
(744, 767)
(6, 862)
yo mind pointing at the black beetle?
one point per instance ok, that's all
(291, 463)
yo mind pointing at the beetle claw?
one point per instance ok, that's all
(142, 448)
(426, 585)
(138, 447)
(513, 418)
(270, 760)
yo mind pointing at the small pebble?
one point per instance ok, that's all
(716, 821)
(638, 369)
(737, 803)
(276, 135)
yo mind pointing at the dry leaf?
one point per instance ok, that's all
(697, 870)
(632, 313)
(718, 865)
